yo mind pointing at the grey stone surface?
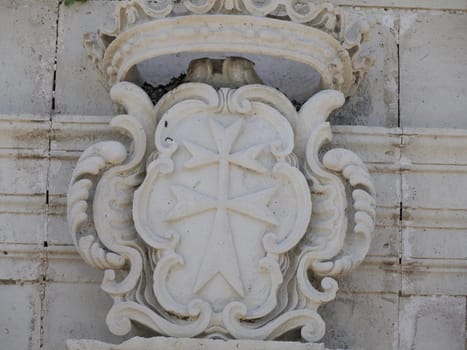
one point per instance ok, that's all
(24, 143)
(386, 238)
(434, 277)
(64, 264)
(418, 184)
(435, 243)
(435, 146)
(432, 323)
(78, 89)
(75, 310)
(405, 4)
(23, 228)
(57, 229)
(362, 321)
(433, 74)
(20, 263)
(375, 275)
(375, 102)
(27, 37)
(23, 175)
(20, 316)
(24, 133)
(161, 343)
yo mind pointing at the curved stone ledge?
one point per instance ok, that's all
(161, 343)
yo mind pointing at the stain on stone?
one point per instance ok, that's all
(155, 93)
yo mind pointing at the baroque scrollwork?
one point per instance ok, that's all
(206, 224)
(223, 214)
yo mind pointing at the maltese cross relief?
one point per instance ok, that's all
(220, 256)
(222, 211)
(210, 217)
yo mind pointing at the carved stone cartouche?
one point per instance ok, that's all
(222, 216)
(225, 216)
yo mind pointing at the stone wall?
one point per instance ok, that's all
(408, 122)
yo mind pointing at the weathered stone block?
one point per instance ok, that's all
(418, 184)
(22, 218)
(373, 144)
(23, 175)
(61, 167)
(375, 102)
(432, 323)
(57, 229)
(434, 243)
(435, 146)
(386, 238)
(24, 133)
(72, 133)
(387, 183)
(66, 265)
(75, 311)
(21, 262)
(375, 275)
(362, 321)
(78, 89)
(161, 343)
(27, 37)
(20, 316)
(433, 78)
(404, 4)
(434, 277)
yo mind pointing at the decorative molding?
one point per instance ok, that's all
(24, 136)
(434, 277)
(376, 145)
(436, 218)
(33, 204)
(447, 5)
(138, 343)
(21, 251)
(317, 35)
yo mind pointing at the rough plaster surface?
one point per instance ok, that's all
(418, 250)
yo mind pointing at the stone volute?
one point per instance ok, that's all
(223, 221)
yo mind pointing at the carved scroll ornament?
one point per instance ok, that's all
(224, 216)
(221, 219)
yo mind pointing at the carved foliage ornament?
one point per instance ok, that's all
(221, 219)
